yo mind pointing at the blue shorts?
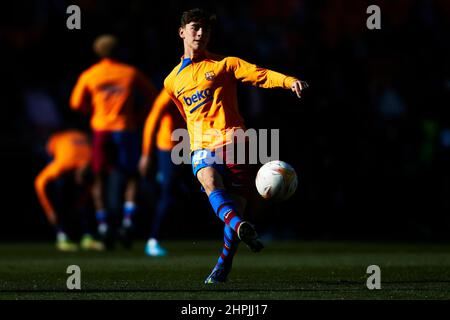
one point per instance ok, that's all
(205, 158)
(115, 149)
(238, 178)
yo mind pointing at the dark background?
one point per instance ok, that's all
(370, 139)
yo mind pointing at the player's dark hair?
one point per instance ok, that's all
(198, 15)
(106, 46)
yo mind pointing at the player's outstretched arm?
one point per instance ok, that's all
(264, 78)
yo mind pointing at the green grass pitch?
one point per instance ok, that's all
(283, 270)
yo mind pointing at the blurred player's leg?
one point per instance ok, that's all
(129, 210)
(165, 178)
(88, 242)
(127, 145)
(101, 164)
(58, 189)
(100, 209)
(129, 207)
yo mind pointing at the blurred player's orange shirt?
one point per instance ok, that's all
(164, 115)
(107, 90)
(70, 150)
(205, 93)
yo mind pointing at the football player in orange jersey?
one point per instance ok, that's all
(203, 86)
(71, 152)
(107, 90)
(165, 117)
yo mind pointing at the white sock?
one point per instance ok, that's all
(61, 236)
(152, 242)
(102, 227)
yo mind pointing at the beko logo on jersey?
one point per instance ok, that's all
(198, 96)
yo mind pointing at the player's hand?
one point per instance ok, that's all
(144, 164)
(298, 86)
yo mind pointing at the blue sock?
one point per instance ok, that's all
(129, 209)
(230, 245)
(224, 208)
(100, 216)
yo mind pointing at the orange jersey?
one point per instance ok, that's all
(70, 150)
(107, 89)
(205, 93)
(164, 115)
(163, 138)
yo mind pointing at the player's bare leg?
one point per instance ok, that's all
(129, 209)
(104, 230)
(99, 204)
(130, 201)
(130, 190)
(88, 242)
(210, 179)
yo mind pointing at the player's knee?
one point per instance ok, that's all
(206, 180)
(209, 179)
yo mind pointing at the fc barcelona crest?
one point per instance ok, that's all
(210, 75)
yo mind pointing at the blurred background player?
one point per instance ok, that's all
(107, 90)
(203, 86)
(71, 152)
(165, 117)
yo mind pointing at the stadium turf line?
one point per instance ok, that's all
(282, 271)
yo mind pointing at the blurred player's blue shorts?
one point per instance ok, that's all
(115, 149)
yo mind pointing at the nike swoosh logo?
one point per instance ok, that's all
(180, 91)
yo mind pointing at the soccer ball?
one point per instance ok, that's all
(276, 180)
